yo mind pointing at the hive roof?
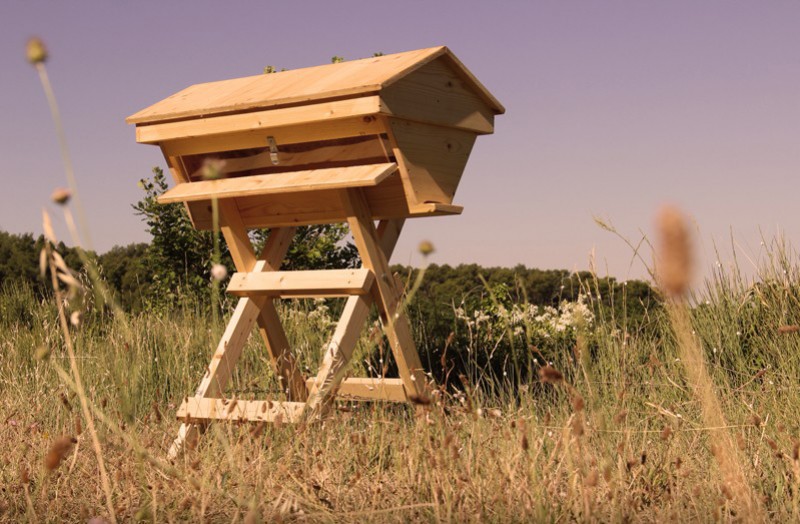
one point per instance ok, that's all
(301, 86)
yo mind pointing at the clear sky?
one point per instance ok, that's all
(613, 108)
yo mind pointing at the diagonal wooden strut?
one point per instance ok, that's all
(375, 248)
(269, 324)
(340, 349)
(249, 312)
(385, 292)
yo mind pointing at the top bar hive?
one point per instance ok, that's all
(400, 126)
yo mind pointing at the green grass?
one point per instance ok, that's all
(622, 439)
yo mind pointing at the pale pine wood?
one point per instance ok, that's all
(222, 363)
(298, 284)
(386, 389)
(175, 166)
(321, 131)
(385, 293)
(197, 409)
(262, 121)
(247, 313)
(311, 155)
(300, 86)
(235, 233)
(339, 351)
(229, 348)
(269, 325)
(471, 79)
(427, 105)
(424, 107)
(386, 201)
(294, 182)
(436, 94)
(179, 176)
(431, 159)
(460, 69)
(433, 209)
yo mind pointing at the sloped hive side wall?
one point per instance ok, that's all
(432, 158)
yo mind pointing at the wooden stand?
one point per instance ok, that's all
(259, 281)
(385, 138)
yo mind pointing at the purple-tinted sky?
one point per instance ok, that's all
(613, 108)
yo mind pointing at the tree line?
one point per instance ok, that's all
(177, 263)
(178, 259)
(443, 304)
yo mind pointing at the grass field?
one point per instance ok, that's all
(625, 427)
(689, 415)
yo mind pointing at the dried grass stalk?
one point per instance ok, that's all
(675, 253)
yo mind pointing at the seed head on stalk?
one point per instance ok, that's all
(36, 51)
(675, 250)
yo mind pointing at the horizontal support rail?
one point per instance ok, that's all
(259, 120)
(293, 182)
(296, 284)
(195, 409)
(387, 389)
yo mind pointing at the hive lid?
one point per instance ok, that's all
(299, 86)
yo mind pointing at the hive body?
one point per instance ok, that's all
(420, 110)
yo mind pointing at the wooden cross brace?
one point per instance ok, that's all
(259, 282)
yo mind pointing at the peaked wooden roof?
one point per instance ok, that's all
(301, 86)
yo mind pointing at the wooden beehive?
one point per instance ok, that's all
(400, 126)
(383, 138)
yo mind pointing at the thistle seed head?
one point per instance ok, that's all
(36, 51)
(58, 450)
(675, 261)
(550, 375)
(426, 248)
(61, 196)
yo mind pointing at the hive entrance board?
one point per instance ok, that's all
(289, 182)
(283, 158)
(380, 139)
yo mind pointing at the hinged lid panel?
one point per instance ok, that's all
(302, 86)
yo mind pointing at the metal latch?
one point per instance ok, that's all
(273, 150)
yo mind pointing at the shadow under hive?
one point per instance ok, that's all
(380, 139)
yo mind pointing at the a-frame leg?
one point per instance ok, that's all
(269, 324)
(248, 312)
(385, 292)
(340, 349)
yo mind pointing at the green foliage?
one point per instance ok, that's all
(128, 274)
(18, 258)
(508, 311)
(179, 256)
(315, 247)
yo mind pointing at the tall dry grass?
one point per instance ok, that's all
(617, 433)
